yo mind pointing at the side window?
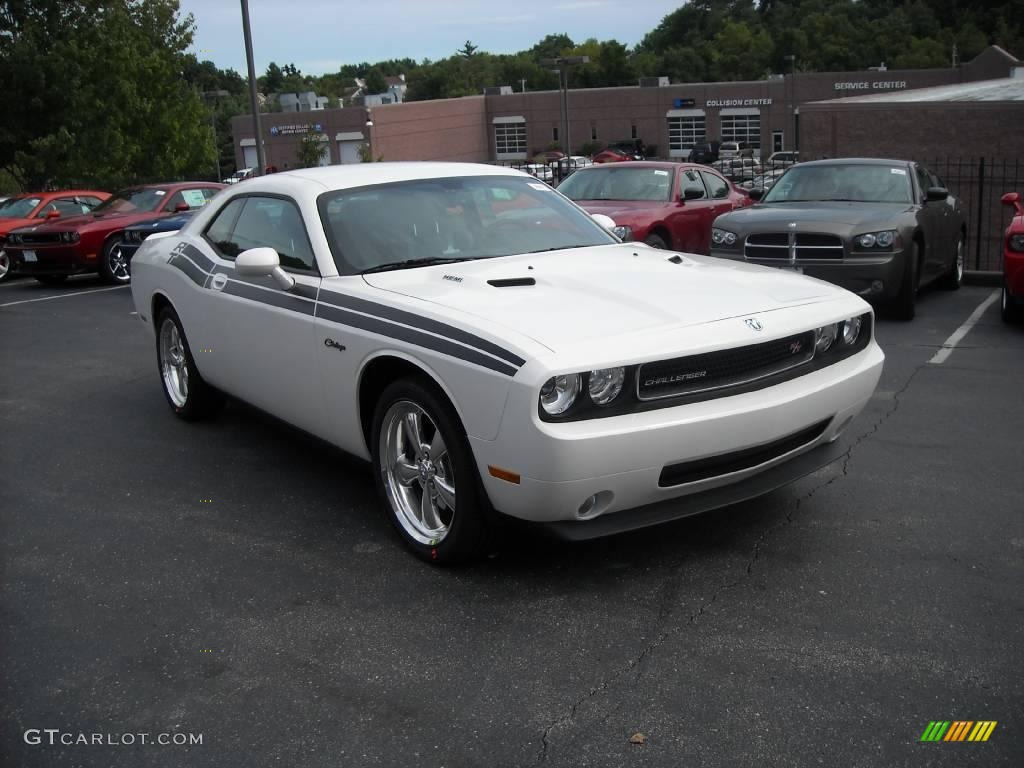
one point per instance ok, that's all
(209, 192)
(218, 234)
(270, 222)
(90, 201)
(717, 186)
(690, 179)
(193, 198)
(922, 181)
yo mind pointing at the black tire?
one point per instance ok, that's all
(656, 241)
(199, 400)
(5, 266)
(114, 266)
(1010, 311)
(467, 525)
(51, 279)
(905, 304)
(954, 278)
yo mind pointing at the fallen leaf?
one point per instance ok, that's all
(637, 738)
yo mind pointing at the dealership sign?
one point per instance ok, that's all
(738, 102)
(284, 130)
(877, 85)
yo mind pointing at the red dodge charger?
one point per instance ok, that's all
(54, 249)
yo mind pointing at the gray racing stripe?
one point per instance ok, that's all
(420, 339)
(195, 274)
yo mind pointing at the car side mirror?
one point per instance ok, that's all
(606, 222)
(936, 195)
(1013, 198)
(691, 194)
(53, 214)
(756, 193)
(181, 207)
(263, 262)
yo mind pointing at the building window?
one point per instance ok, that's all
(510, 138)
(684, 132)
(554, 133)
(593, 133)
(632, 132)
(745, 129)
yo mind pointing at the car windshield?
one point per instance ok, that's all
(618, 183)
(19, 207)
(450, 219)
(142, 200)
(846, 182)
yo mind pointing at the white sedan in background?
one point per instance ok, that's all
(490, 347)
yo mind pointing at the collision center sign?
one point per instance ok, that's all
(738, 102)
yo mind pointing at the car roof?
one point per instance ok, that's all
(856, 161)
(660, 164)
(331, 177)
(60, 193)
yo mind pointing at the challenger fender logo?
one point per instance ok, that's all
(675, 379)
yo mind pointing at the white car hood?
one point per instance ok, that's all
(604, 292)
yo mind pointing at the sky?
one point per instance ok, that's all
(318, 36)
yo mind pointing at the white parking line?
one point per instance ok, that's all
(958, 335)
(63, 295)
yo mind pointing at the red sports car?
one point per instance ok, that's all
(1013, 261)
(22, 210)
(52, 250)
(666, 205)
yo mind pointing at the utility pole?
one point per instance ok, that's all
(791, 58)
(254, 102)
(214, 97)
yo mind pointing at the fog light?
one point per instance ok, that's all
(595, 505)
(877, 286)
(825, 337)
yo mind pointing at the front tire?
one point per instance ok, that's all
(114, 266)
(426, 476)
(189, 396)
(954, 278)
(1010, 310)
(656, 241)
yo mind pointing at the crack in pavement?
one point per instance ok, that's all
(664, 612)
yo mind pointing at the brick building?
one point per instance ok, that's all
(782, 112)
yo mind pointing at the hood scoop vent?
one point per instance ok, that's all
(675, 259)
(511, 282)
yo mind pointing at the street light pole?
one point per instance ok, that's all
(253, 100)
(561, 65)
(215, 96)
(791, 58)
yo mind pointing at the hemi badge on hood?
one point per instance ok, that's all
(753, 324)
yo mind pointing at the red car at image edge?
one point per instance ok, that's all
(56, 248)
(1013, 261)
(30, 207)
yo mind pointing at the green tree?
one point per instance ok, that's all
(311, 149)
(468, 50)
(375, 82)
(272, 81)
(101, 93)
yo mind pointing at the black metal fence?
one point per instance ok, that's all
(980, 184)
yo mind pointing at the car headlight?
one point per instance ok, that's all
(15, 239)
(559, 393)
(622, 232)
(851, 330)
(824, 337)
(1016, 242)
(606, 384)
(883, 240)
(722, 237)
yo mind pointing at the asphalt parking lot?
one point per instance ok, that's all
(235, 579)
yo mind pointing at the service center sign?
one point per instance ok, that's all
(284, 130)
(877, 85)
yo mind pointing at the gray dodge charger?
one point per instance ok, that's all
(880, 228)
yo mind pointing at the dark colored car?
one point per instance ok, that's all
(29, 208)
(52, 250)
(1013, 261)
(705, 153)
(666, 205)
(132, 237)
(880, 228)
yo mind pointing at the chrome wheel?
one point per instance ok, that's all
(117, 263)
(417, 471)
(173, 363)
(959, 260)
(5, 264)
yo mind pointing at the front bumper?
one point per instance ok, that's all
(621, 459)
(1013, 272)
(50, 260)
(858, 274)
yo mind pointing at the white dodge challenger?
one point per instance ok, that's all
(491, 348)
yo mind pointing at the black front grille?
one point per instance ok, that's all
(40, 238)
(724, 368)
(808, 245)
(737, 461)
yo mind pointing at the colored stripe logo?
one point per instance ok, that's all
(958, 730)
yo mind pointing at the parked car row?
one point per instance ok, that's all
(58, 234)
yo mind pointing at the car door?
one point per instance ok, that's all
(719, 191)
(261, 338)
(933, 218)
(690, 221)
